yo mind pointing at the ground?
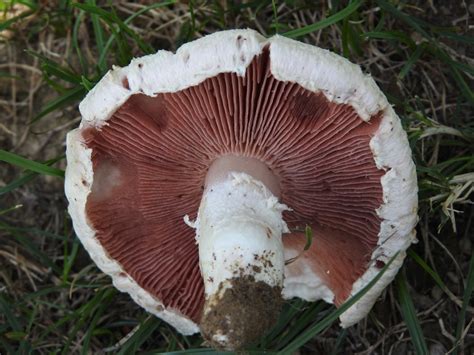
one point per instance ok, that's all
(52, 297)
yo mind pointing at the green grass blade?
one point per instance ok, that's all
(69, 258)
(6, 75)
(411, 21)
(463, 67)
(10, 209)
(275, 25)
(453, 66)
(124, 51)
(15, 330)
(345, 37)
(29, 164)
(339, 341)
(145, 329)
(290, 310)
(6, 346)
(427, 269)
(354, 38)
(60, 73)
(468, 292)
(341, 15)
(32, 231)
(29, 176)
(411, 61)
(409, 315)
(31, 247)
(390, 36)
(103, 296)
(51, 68)
(98, 31)
(70, 95)
(103, 307)
(111, 19)
(456, 37)
(16, 336)
(192, 14)
(331, 317)
(418, 26)
(88, 85)
(381, 24)
(103, 55)
(11, 319)
(303, 321)
(6, 24)
(461, 83)
(75, 41)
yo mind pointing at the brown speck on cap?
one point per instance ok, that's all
(125, 83)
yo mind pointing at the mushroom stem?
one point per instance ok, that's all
(239, 230)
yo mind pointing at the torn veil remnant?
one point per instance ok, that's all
(249, 140)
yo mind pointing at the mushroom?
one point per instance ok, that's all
(192, 177)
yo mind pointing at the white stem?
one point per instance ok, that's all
(239, 229)
(239, 233)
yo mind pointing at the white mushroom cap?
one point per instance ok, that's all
(312, 68)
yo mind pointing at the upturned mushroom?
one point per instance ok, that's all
(193, 175)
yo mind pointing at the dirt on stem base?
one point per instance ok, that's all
(244, 312)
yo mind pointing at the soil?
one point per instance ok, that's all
(244, 313)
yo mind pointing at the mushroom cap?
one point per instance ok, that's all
(319, 83)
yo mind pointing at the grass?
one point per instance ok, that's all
(54, 300)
